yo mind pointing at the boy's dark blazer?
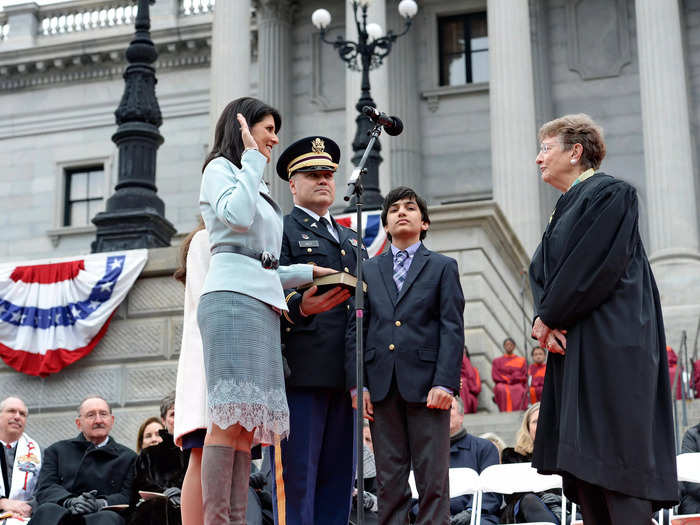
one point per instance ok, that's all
(417, 334)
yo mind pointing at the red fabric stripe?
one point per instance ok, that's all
(51, 362)
(344, 221)
(48, 273)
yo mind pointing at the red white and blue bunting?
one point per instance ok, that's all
(373, 234)
(54, 312)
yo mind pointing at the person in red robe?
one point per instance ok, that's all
(672, 370)
(469, 384)
(536, 371)
(509, 374)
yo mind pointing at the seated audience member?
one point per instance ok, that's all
(149, 433)
(469, 384)
(527, 507)
(470, 451)
(690, 492)
(20, 462)
(509, 374)
(160, 468)
(369, 499)
(496, 440)
(537, 371)
(81, 476)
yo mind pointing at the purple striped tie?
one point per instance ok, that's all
(400, 270)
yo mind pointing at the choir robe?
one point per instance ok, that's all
(536, 372)
(672, 371)
(606, 415)
(469, 386)
(509, 374)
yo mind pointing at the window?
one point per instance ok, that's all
(84, 195)
(464, 49)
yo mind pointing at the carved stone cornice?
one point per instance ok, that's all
(275, 10)
(101, 63)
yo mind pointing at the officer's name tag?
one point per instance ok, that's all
(308, 244)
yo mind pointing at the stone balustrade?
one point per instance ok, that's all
(196, 7)
(79, 16)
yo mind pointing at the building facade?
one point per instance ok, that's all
(472, 81)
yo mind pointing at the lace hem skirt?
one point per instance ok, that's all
(243, 364)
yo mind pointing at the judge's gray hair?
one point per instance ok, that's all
(577, 129)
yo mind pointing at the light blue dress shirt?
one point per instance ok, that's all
(237, 208)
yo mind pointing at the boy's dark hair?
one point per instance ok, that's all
(400, 193)
(532, 352)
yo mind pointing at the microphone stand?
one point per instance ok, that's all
(355, 188)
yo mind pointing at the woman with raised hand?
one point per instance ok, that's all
(242, 297)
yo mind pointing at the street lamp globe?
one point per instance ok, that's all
(374, 31)
(321, 18)
(408, 8)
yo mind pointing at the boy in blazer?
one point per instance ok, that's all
(413, 348)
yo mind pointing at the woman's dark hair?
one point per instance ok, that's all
(142, 431)
(181, 273)
(400, 193)
(227, 136)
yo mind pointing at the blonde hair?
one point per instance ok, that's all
(496, 440)
(523, 441)
(577, 129)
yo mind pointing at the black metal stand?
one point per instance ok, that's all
(356, 190)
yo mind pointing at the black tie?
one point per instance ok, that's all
(5, 477)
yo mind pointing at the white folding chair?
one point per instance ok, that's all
(462, 481)
(518, 477)
(688, 466)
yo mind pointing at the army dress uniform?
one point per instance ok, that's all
(317, 459)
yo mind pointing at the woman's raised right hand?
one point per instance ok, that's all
(248, 140)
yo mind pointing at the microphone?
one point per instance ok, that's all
(392, 125)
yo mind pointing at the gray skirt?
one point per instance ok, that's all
(243, 364)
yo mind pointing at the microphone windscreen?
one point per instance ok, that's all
(396, 129)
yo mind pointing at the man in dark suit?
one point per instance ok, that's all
(413, 350)
(317, 459)
(80, 476)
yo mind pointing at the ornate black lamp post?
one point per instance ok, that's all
(365, 54)
(135, 215)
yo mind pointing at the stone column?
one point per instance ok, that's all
(513, 128)
(24, 24)
(275, 80)
(230, 57)
(376, 13)
(668, 165)
(668, 151)
(406, 168)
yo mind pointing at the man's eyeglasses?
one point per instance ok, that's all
(91, 416)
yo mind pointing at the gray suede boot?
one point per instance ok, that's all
(239, 487)
(217, 464)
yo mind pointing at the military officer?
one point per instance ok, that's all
(316, 462)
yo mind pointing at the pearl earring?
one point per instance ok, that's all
(573, 161)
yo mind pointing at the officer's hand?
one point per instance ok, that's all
(367, 403)
(315, 304)
(320, 271)
(438, 398)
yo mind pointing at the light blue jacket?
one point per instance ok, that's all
(237, 208)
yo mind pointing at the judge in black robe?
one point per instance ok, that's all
(605, 420)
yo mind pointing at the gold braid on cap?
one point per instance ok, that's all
(316, 157)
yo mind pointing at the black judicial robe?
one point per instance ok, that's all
(606, 414)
